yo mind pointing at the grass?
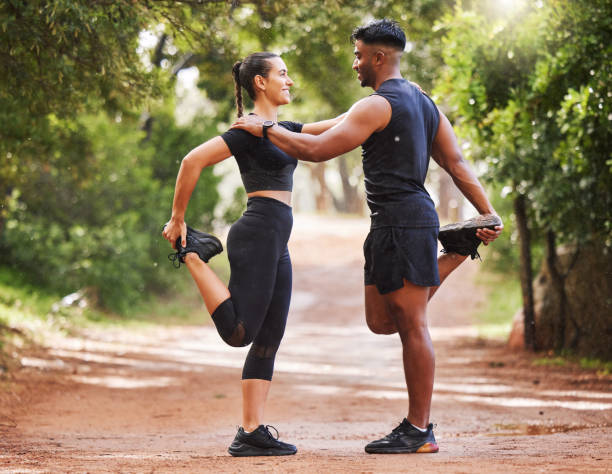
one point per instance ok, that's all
(551, 361)
(23, 310)
(17, 294)
(602, 368)
(502, 302)
(23, 307)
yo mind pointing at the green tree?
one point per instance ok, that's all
(530, 91)
(90, 216)
(80, 184)
(62, 58)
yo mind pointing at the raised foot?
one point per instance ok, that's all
(461, 237)
(204, 245)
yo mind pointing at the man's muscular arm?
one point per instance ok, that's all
(316, 128)
(447, 154)
(364, 118)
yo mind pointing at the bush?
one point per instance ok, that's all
(91, 214)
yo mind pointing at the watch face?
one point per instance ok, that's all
(268, 123)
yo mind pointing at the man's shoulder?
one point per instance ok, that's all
(373, 110)
(374, 100)
(407, 94)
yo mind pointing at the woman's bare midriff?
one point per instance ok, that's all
(283, 196)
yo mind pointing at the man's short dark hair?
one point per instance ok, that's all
(386, 32)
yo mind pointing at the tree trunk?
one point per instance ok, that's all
(558, 284)
(322, 194)
(158, 53)
(4, 207)
(572, 298)
(351, 201)
(526, 271)
(444, 195)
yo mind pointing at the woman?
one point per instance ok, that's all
(254, 306)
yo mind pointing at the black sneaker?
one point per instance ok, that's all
(461, 237)
(259, 443)
(205, 245)
(405, 439)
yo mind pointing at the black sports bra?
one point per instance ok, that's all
(263, 166)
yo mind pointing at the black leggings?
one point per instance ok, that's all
(260, 284)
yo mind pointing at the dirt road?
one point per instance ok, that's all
(167, 399)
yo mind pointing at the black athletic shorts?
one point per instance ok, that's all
(393, 254)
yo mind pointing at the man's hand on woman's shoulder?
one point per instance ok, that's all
(250, 123)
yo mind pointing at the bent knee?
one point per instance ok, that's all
(382, 329)
(239, 337)
(237, 343)
(381, 326)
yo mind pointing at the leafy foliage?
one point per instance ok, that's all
(56, 55)
(531, 91)
(91, 215)
(81, 184)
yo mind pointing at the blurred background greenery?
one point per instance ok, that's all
(100, 100)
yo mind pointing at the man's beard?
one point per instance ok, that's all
(366, 80)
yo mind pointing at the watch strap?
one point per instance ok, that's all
(266, 125)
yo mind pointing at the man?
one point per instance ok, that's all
(399, 128)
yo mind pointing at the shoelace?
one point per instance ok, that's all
(175, 258)
(395, 432)
(270, 434)
(476, 254)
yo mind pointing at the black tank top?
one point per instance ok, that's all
(263, 166)
(395, 160)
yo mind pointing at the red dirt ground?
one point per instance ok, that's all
(167, 399)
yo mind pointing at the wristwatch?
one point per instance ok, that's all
(266, 125)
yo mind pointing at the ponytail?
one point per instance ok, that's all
(238, 89)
